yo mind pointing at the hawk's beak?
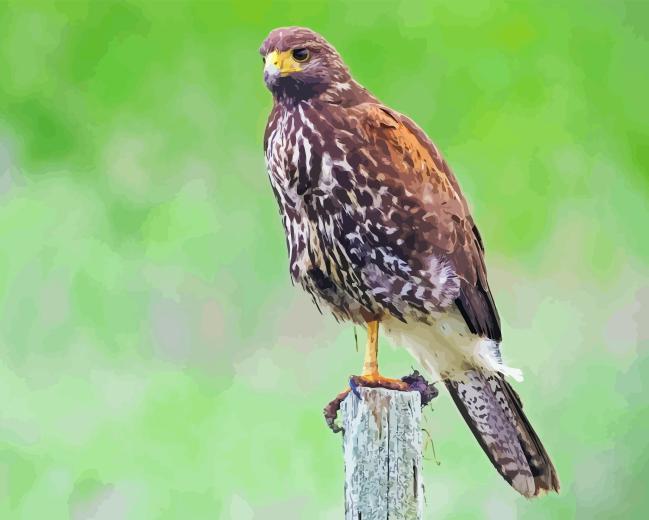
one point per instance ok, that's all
(279, 64)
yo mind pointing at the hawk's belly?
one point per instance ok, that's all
(343, 305)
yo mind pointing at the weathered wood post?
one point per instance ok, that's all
(382, 443)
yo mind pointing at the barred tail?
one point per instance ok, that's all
(494, 412)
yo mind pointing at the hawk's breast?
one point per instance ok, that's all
(300, 170)
(346, 245)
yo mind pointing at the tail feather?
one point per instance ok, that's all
(494, 412)
(545, 475)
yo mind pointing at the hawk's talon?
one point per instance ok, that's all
(378, 381)
(353, 386)
(412, 383)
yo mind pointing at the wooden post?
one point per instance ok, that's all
(382, 448)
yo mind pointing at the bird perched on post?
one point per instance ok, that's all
(378, 231)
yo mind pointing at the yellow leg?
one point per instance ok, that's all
(371, 375)
(371, 363)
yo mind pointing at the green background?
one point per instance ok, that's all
(155, 361)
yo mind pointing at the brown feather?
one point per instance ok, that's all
(377, 227)
(419, 165)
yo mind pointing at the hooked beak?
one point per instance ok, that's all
(279, 64)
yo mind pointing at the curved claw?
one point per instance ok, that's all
(353, 386)
(378, 381)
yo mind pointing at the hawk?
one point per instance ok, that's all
(378, 232)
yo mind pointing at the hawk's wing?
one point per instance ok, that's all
(428, 204)
(421, 216)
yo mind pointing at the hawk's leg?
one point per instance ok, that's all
(371, 375)
(371, 362)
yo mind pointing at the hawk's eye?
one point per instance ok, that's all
(300, 55)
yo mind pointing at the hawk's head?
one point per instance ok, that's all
(300, 64)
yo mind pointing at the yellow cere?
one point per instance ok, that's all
(284, 61)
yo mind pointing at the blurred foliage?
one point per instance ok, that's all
(155, 361)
